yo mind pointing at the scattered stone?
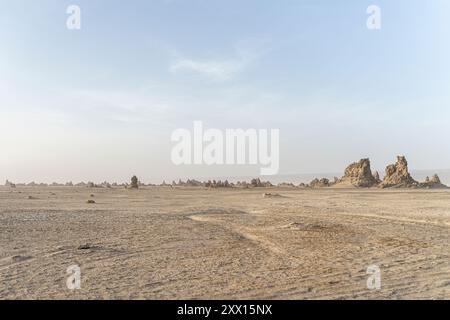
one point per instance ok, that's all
(90, 201)
(272, 195)
(20, 258)
(86, 246)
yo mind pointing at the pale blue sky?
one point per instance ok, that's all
(100, 103)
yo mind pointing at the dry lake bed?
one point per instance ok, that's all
(195, 243)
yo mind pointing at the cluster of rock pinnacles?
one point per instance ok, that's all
(360, 175)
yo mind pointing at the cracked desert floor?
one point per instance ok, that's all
(194, 243)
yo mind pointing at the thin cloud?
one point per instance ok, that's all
(216, 69)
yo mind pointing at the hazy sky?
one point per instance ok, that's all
(100, 103)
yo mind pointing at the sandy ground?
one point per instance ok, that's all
(192, 243)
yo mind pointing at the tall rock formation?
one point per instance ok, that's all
(397, 175)
(359, 175)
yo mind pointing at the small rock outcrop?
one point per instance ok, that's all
(217, 184)
(286, 185)
(322, 183)
(433, 183)
(134, 183)
(257, 183)
(9, 184)
(397, 175)
(359, 175)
